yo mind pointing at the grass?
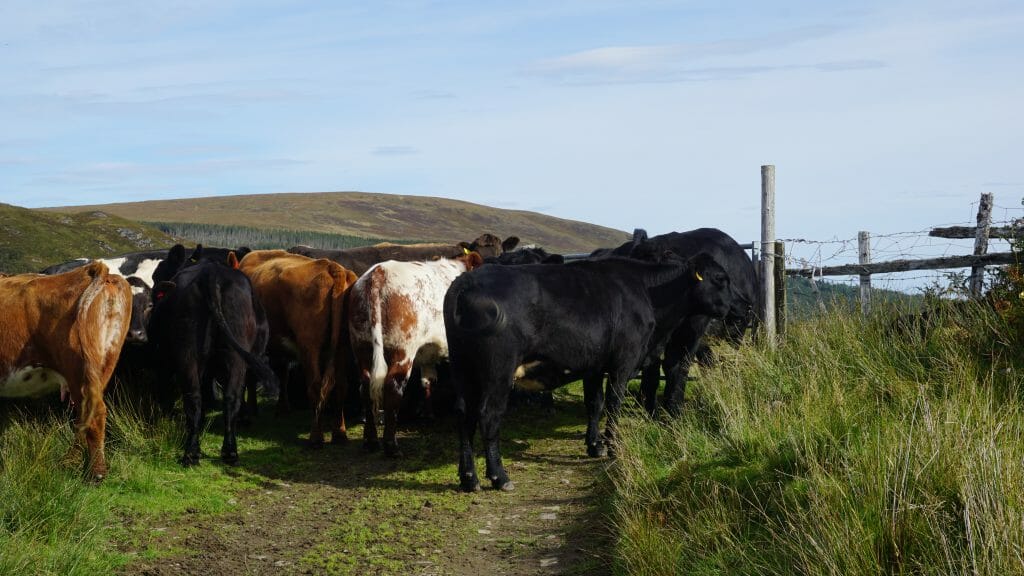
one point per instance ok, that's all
(851, 448)
(357, 513)
(31, 240)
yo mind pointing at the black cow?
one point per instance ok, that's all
(685, 343)
(207, 324)
(178, 258)
(526, 255)
(556, 324)
(139, 264)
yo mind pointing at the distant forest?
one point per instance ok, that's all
(262, 238)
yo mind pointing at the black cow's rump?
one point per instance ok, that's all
(207, 324)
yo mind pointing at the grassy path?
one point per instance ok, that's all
(341, 511)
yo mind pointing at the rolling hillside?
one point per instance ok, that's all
(31, 240)
(368, 215)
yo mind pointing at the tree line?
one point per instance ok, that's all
(262, 238)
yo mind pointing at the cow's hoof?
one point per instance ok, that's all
(505, 485)
(229, 458)
(371, 446)
(470, 484)
(597, 450)
(339, 438)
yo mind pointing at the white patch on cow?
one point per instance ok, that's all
(114, 264)
(31, 381)
(521, 370)
(520, 381)
(146, 269)
(136, 290)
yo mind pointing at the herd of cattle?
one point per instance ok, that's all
(500, 317)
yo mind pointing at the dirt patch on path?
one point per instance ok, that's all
(341, 511)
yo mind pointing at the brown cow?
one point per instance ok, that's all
(66, 331)
(360, 259)
(304, 300)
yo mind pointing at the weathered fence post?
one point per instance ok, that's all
(768, 251)
(864, 251)
(780, 287)
(981, 242)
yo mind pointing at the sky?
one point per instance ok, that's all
(883, 116)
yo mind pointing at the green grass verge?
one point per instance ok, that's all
(851, 448)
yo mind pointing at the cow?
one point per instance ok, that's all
(395, 323)
(207, 323)
(360, 259)
(525, 255)
(556, 324)
(65, 332)
(176, 259)
(305, 301)
(686, 342)
(138, 264)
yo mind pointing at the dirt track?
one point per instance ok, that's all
(342, 511)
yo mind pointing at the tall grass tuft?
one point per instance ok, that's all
(856, 446)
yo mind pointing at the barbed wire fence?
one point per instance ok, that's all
(803, 253)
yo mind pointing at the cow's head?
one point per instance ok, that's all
(490, 245)
(471, 260)
(711, 294)
(142, 306)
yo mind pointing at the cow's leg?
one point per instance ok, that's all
(192, 401)
(317, 390)
(593, 398)
(617, 383)
(428, 379)
(492, 408)
(394, 388)
(649, 382)
(280, 364)
(467, 414)
(339, 434)
(233, 378)
(370, 442)
(679, 354)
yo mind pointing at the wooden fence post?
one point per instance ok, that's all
(864, 252)
(768, 251)
(981, 243)
(780, 287)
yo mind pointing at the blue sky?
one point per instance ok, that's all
(885, 116)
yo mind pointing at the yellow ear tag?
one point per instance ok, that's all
(698, 276)
(465, 250)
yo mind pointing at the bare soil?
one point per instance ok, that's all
(341, 510)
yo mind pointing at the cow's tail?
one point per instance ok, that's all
(216, 305)
(336, 329)
(472, 312)
(102, 322)
(378, 364)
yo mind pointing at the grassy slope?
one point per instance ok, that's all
(368, 215)
(849, 449)
(31, 240)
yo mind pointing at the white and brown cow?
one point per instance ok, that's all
(65, 332)
(395, 323)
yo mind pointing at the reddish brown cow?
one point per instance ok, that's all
(360, 259)
(65, 332)
(304, 300)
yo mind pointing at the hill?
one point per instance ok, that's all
(370, 215)
(31, 240)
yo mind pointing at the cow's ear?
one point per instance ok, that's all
(137, 282)
(232, 260)
(196, 254)
(241, 251)
(474, 260)
(176, 253)
(639, 235)
(466, 247)
(510, 243)
(162, 289)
